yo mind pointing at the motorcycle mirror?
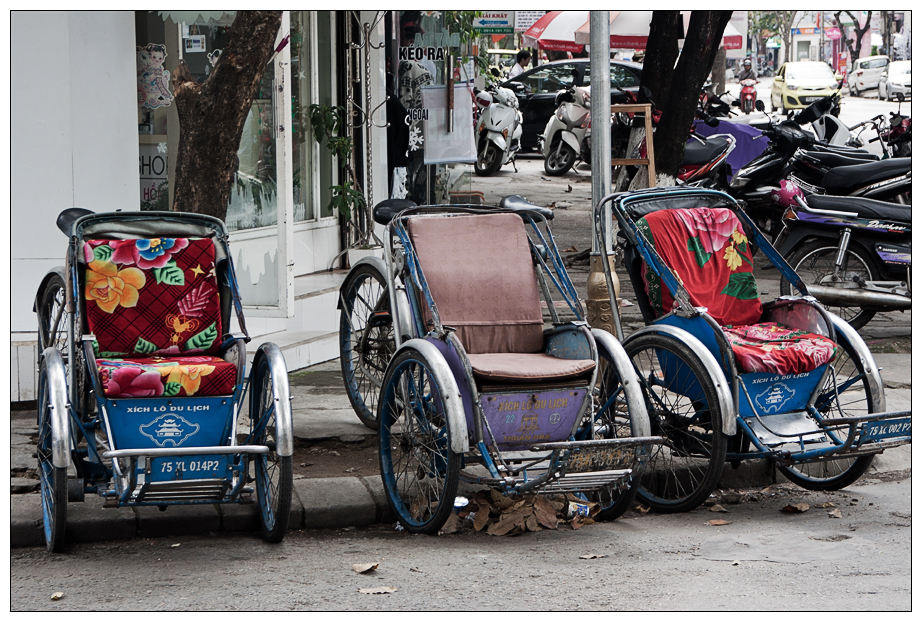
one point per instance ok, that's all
(760, 105)
(900, 97)
(646, 92)
(711, 122)
(495, 72)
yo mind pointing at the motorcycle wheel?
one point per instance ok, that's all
(747, 106)
(815, 260)
(559, 161)
(489, 159)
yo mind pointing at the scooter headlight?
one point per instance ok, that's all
(559, 113)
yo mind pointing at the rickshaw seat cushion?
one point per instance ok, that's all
(480, 274)
(709, 252)
(769, 347)
(166, 377)
(527, 367)
(157, 296)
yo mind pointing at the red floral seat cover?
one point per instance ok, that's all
(709, 253)
(153, 304)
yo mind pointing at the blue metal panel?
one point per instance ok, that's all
(776, 393)
(178, 422)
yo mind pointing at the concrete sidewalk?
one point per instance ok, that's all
(324, 502)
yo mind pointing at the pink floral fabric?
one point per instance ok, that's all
(772, 348)
(166, 376)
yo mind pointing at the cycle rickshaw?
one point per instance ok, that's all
(471, 386)
(142, 388)
(726, 378)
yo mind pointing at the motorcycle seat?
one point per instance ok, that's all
(865, 208)
(835, 159)
(697, 153)
(384, 212)
(855, 176)
(849, 152)
(519, 203)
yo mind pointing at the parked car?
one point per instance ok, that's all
(801, 83)
(896, 79)
(865, 73)
(537, 88)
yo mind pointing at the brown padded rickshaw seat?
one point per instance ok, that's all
(481, 276)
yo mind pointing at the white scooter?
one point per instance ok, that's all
(567, 132)
(499, 130)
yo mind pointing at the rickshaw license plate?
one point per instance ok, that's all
(890, 428)
(192, 467)
(590, 459)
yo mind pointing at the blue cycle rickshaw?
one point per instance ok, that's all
(728, 378)
(142, 387)
(472, 384)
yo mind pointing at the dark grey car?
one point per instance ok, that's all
(537, 88)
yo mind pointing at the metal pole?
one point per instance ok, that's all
(599, 311)
(600, 107)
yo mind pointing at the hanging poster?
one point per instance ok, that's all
(440, 145)
(153, 79)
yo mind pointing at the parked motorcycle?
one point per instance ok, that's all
(566, 135)
(897, 139)
(854, 254)
(498, 130)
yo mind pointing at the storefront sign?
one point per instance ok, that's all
(833, 33)
(495, 22)
(805, 31)
(153, 171)
(525, 19)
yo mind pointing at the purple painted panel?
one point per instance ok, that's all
(519, 420)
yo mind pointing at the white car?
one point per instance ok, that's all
(866, 73)
(897, 79)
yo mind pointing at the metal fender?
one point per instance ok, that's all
(844, 330)
(57, 395)
(633, 394)
(713, 368)
(377, 262)
(454, 406)
(497, 139)
(281, 394)
(570, 139)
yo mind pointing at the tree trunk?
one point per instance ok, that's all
(212, 114)
(705, 33)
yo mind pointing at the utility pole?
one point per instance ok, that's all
(599, 309)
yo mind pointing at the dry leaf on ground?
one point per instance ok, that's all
(57, 596)
(836, 513)
(592, 556)
(796, 508)
(363, 568)
(717, 522)
(718, 508)
(384, 589)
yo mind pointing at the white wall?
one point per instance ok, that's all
(73, 138)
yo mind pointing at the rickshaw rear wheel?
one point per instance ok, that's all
(839, 473)
(273, 472)
(614, 421)
(366, 338)
(682, 472)
(53, 479)
(419, 470)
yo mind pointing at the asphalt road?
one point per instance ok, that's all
(764, 559)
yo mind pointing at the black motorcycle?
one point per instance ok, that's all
(854, 254)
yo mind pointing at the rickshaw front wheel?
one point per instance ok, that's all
(419, 470)
(273, 472)
(53, 478)
(684, 408)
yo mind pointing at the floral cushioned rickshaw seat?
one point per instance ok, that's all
(709, 253)
(154, 309)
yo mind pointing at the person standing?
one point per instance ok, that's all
(521, 61)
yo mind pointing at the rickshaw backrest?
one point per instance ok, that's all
(481, 276)
(156, 296)
(707, 248)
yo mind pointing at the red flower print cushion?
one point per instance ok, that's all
(709, 253)
(166, 377)
(770, 347)
(153, 296)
